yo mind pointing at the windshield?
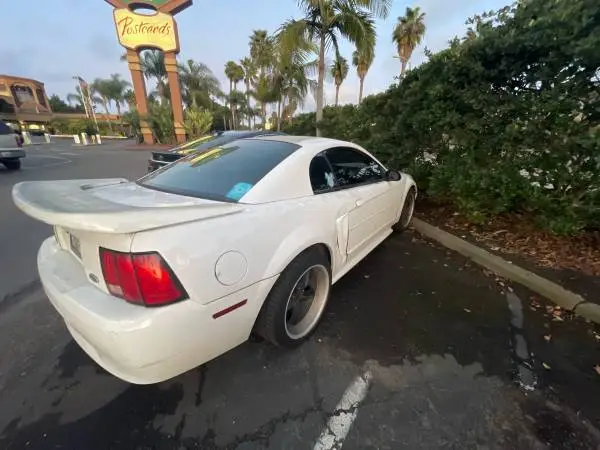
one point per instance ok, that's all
(225, 173)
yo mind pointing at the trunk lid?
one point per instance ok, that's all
(89, 214)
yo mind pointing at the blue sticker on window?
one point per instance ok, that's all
(238, 191)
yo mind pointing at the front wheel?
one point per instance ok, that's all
(12, 164)
(408, 210)
(296, 303)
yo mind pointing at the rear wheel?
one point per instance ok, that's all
(407, 211)
(12, 164)
(296, 303)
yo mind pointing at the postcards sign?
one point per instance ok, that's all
(136, 31)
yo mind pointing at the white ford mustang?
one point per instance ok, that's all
(160, 275)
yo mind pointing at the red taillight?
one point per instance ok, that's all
(143, 278)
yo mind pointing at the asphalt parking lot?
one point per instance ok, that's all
(418, 349)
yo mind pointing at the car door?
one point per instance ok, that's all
(365, 180)
(323, 185)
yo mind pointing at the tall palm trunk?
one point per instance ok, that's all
(248, 103)
(360, 90)
(320, 81)
(284, 103)
(337, 94)
(118, 105)
(231, 104)
(234, 110)
(105, 104)
(403, 62)
(279, 115)
(263, 112)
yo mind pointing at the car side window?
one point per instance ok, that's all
(352, 167)
(321, 174)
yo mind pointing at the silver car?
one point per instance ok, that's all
(11, 151)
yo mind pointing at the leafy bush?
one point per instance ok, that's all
(160, 117)
(197, 122)
(507, 121)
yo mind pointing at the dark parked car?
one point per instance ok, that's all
(160, 159)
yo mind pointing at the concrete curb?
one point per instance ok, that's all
(552, 291)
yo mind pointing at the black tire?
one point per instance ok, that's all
(12, 164)
(272, 322)
(407, 210)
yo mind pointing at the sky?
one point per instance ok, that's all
(53, 40)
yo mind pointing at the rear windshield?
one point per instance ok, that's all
(224, 173)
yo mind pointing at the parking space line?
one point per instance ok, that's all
(61, 161)
(341, 420)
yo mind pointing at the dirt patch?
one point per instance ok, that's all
(572, 261)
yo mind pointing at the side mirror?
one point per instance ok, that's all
(393, 175)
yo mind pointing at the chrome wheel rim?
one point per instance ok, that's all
(408, 210)
(306, 302)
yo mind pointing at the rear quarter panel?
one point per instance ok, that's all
(269, 237)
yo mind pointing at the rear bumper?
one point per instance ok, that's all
(137, 344)
(12, 153)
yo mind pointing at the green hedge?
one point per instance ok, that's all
(78, 126)
(512, 117)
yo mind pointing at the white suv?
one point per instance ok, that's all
(10, 151)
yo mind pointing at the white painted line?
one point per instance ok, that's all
(341, 420)
(61, 161)
(69, 154)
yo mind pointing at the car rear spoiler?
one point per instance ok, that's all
(72, 204)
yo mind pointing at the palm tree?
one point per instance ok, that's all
(339, 72)
(129, 98)
(102, 89)
(76, 98)
(236, 100)
(103, 92)
(325, 22)
(291, 70)
(408, 33)
(289, 110)
(153, 66)
(265, 92)
(234, 74)
(199, 84)
(238, 75)
(117, 87)
(249, 77)
(261, 50)
(362, 58)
